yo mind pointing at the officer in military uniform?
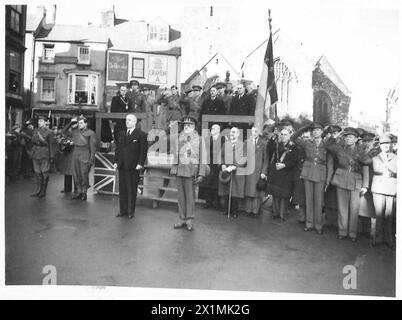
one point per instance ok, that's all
(42, 155)
(384, 188)
(189, 168)
(351, 179)
(83, 156)
(316, 172)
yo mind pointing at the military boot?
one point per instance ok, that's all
(38, 189)
(42, 193)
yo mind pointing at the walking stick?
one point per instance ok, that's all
(230, 194)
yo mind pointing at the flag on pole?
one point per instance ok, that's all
(267, 95)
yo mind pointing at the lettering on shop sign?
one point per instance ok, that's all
(118, 66)
(157, 71)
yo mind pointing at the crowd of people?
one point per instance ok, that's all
(170, 106)
(314, 167)
(347, 172)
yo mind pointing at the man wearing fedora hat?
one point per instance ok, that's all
(190, 166)
(42, 155)
(351, 179)
(316, 172)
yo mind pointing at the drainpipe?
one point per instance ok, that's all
(177, 71)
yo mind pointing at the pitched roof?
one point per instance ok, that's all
(133, 36)
(76, 34)
(330, 72)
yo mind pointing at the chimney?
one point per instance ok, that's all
(108, 18)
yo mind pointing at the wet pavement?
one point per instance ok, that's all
(88, 245)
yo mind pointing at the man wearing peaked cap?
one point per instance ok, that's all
(316, 125)
(83, 154)
(189, 120)
(42, 155)
(384, 189)
(189, 168)
(351, 131)
(317, 172)
(196, 88)
(351, 179)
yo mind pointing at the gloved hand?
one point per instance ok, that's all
(198, 179)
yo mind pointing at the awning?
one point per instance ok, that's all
(15, 103)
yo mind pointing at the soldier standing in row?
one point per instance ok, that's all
(317, 171)
(83, 156)
(384, 192)
(42, 155)
(189, 169)
(351, 180)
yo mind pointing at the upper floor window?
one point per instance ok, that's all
(158, 33)
(83, 55)
(138, 68)
(48, 89)
(15, 68)
(82, 88)
(15, 17)
(48, 53)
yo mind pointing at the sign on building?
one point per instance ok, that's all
(118, 66)
(157, 71)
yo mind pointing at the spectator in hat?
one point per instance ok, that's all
(120, 103)
(384, 189)
(189, 169)
(135, 98)
(42, 155)
(172, 100)
(83, 154)
(234, 161)
(150, 109)
(351, 179)
(212, 105)
(316, 172)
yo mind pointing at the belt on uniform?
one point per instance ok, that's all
(388, 175)
(316, 161)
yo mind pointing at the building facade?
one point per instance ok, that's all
(149, 52)
(15, 105)
(331, 96)
(69, 70)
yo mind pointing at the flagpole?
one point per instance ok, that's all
(270, 34)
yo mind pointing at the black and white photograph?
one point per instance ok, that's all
(207, 149)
